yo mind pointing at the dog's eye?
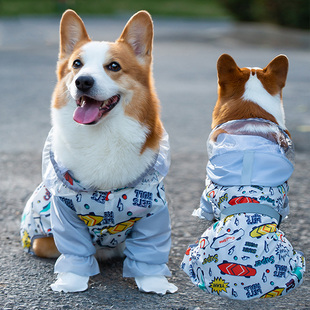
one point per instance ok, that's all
(77, 64)
(114, 66)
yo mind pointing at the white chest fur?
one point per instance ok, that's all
(105, 155)
(255, 92)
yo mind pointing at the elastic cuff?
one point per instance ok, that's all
(80, 265)
(137, 269)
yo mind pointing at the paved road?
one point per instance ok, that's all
(185, 74)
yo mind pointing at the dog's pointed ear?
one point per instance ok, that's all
(278, 67)
(72, 31)
(226, 69)
(138, 33)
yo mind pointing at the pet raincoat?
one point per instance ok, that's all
(82, 219)
(244, 255)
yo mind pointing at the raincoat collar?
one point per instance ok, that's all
(60, 180)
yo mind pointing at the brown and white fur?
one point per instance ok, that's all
(250, 92)
(115, 147)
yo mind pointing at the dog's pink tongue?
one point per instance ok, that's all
(87, 114)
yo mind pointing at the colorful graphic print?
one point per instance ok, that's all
(234, 271)
(257, 232)
(110, 216)
(244, 256)
(91, 219)
(218, 285)
(36, 217)
(216, 196)
(237, 269)
(226, 239)
(242, 199)
(122, 226)
(274, 293)
(26, 240)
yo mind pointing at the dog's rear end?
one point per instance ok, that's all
(244, 255)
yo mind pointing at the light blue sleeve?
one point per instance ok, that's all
(148, 246)
(73, 241)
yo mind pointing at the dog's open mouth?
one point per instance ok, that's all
(89, 111)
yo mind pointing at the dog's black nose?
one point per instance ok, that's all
(84, 83)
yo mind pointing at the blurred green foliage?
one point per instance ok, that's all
(290, 13)
(188, 8)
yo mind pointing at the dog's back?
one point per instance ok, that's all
(245, 255)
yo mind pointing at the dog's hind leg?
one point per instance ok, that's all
(45, 247)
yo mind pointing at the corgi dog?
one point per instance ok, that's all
(103, 162)
(245, 255)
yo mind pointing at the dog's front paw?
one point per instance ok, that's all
(155, 284)
(70, 282)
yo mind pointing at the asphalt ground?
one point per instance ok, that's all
(185, 55)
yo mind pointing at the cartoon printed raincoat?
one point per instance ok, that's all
(81, 219)
(244, 255)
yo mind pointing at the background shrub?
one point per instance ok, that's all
(290, 13)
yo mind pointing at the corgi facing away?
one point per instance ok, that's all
(103, 162)
(245, 255)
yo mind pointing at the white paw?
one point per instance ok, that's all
(70, 282)
(155, 284)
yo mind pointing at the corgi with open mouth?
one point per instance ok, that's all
(103, 162)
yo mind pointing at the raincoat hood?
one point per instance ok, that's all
(249, 152)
